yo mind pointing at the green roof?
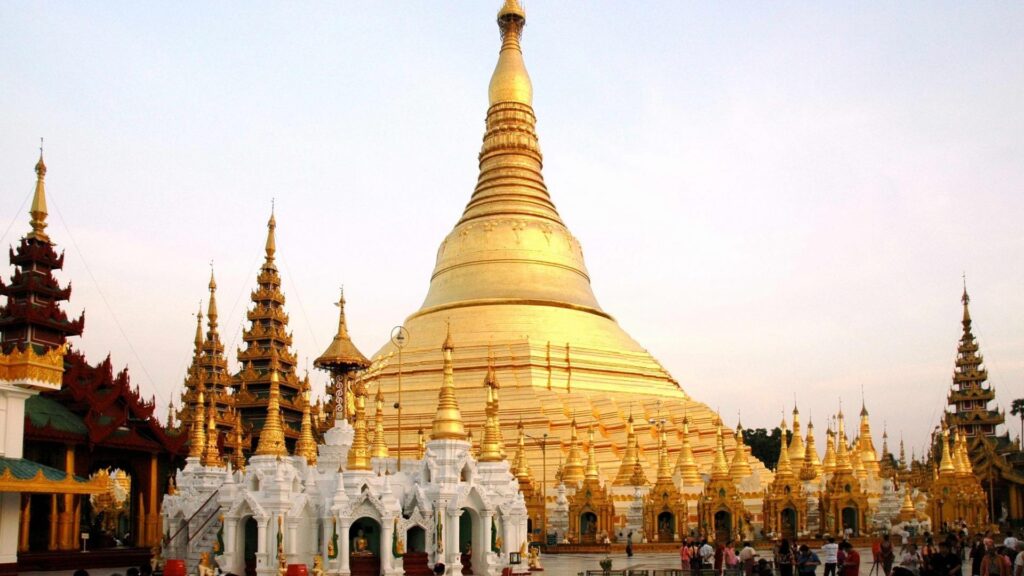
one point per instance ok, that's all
(42, 412)
(26, 470)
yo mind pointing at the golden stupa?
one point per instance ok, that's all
(511, 283)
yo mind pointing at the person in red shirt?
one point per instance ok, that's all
(851, 562)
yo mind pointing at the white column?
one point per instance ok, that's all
(10, 511)
(482, 553)
(261, 543)
(454, 553)
(343, 528)
(388, 528)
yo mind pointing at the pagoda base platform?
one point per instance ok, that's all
(364, 565)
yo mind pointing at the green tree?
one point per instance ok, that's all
(764, 445)
(1017, 409)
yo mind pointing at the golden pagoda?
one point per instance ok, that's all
(785, 505)
(306, 445)
(591, 510)
(272, 437)
(512, 277)
(379, 449)
(573, 470)
(665, 508)
(492, 445)
(268, 336)
(844, 502)
(686, 466)
(740, 468)
(812, 469)
(631, 468)
(956, 494)
(721, 508)
(866, 445)
(796, 444)
(359, 453)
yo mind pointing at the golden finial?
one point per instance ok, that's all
(510, 81)
(212, 456)
(341, 351)
(829, 463)
(783, 469)
(271, 441)
(197, 438)
(211, 310)
(624, 477)
(306, 444)
(796, 444)
(38, 209)
(421, 444)
(574, 468)
(170, 415)
(664, 466)
(843, 462)
(492, 447)
(271, 247)
(966, 300)
(592, 474)
(448, 420)
(238, 458)
(199, 331)
(812, 467)
(638, 477)
(380, 446)
(359, 453)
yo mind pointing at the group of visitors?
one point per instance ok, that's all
(702, 556)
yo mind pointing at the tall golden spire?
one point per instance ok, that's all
(664, 465)
(238, 455)
(271, 246)
(638, 477)
(305, 446)
(843, 462)
(686, 465)
(199, 335)
(380, 446)
(492, 446)
(784, 469)
(592, 473)
(448, 420)
(573, 471)
(740, 466)
(521, 469)
(629, 458)
(796, 444)
(719, 467)
(421, 444)
(211, 456)
(829, 463)
(359, 453)
(867, 446)
(197, 437)
(211, 310)
(38, 209)
(812, 468)
(903, 455)
(946, 466)
(272, 435)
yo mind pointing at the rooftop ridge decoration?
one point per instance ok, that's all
(29, 367)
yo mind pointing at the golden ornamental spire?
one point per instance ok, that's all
(740, 466)
(867, 446)
(907, 511)
(359, 453)
(574, 467)
(719, 467)
(306, 444)
(492, 446)
(664, 465)
(199, 334)
(521, 469)
(197, 438)
(448, 420)
(958, 458)
(380, 446)
(843, 462)
(272, 435)
(510, 81)
(783, 469)
(271, 246)
(342, 350)
(238, 457)
(686, 465)
(212, 456)
(946, 466)
(629, 458)
(829, 463)
(903, 455)
(796, 444)
(812, 468)
(638, 477)
(211, 311)
(421, 444)
(592, 472)
(38, 209)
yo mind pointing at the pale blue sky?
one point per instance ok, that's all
(774, 198)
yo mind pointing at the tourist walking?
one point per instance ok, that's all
(830, 555)
(747, 559)
(629, 544)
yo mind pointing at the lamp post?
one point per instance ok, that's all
(543, 442)
(399, 337)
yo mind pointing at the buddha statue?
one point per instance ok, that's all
(360, 545)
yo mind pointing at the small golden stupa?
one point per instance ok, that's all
(510, 280)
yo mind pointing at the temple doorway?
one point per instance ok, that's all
(789, 523)
(250, 544)
(588, 527)
(416, 560)
(723, 526)
(850, 520)
(467, 542)
(364, 547)
(666, 527)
